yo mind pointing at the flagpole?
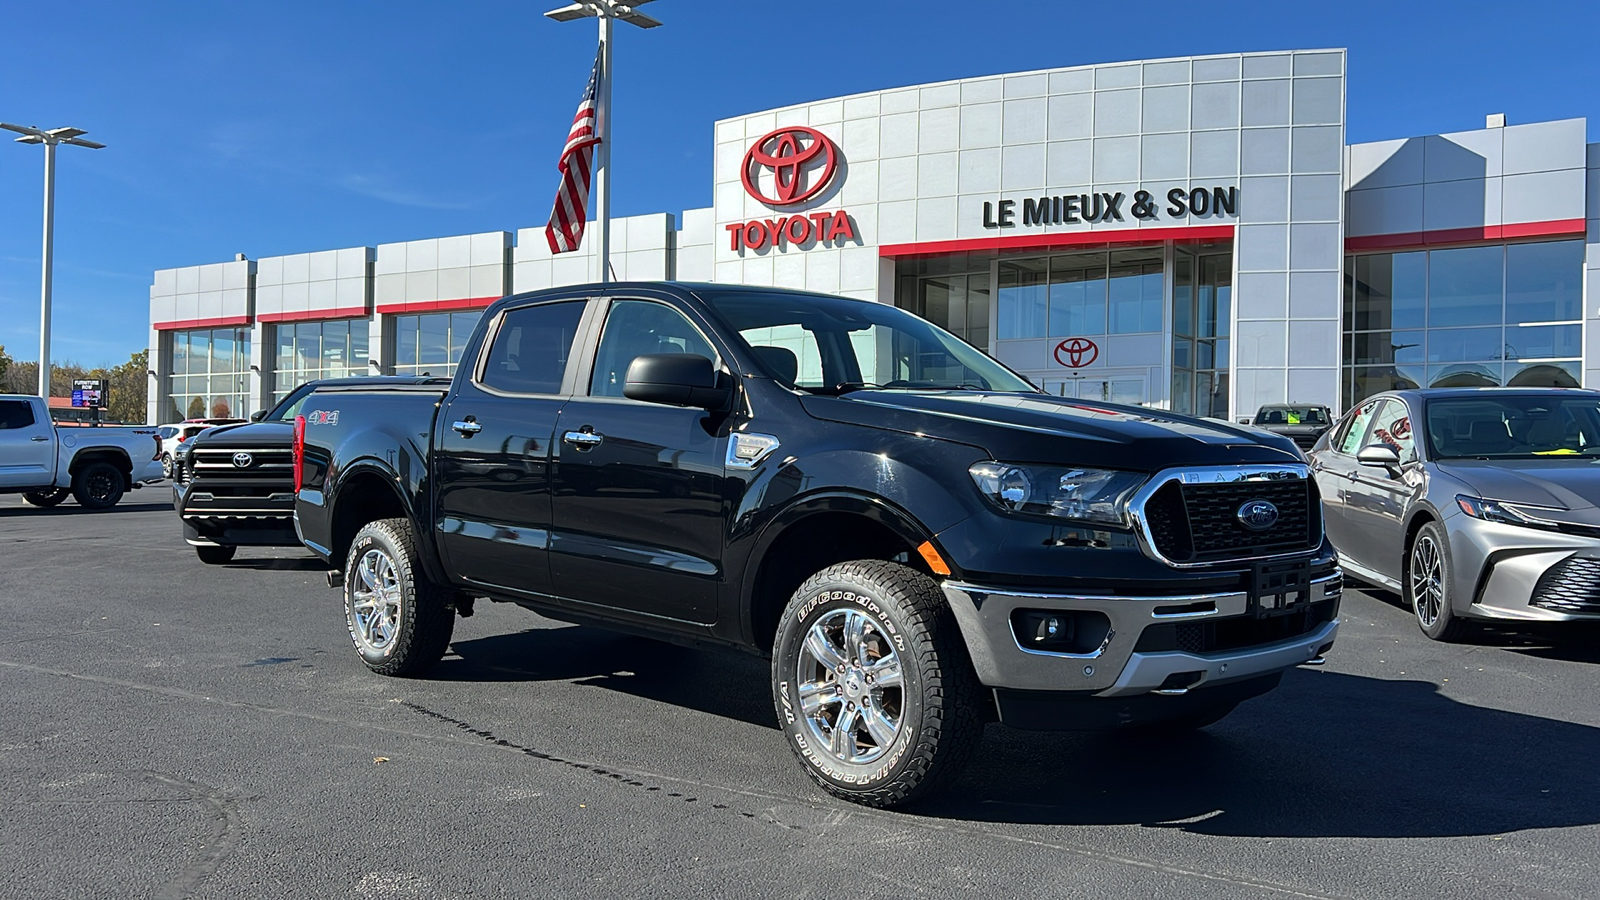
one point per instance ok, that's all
(602, 169)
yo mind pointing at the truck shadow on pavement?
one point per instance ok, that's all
(71, 508)
(1326, 755)
(640, 667)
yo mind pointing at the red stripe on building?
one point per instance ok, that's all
(186, 324)
(313, 315)
(427, 306)
(1052, 240)
(1479, 235)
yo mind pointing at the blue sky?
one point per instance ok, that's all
(296, 126)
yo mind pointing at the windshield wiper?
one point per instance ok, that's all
(845, 387)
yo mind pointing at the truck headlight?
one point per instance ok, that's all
(1069, 492)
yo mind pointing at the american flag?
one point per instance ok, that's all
(567, 219)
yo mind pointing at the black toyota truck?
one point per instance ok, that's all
(919, 539)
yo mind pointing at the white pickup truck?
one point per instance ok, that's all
(96, 465)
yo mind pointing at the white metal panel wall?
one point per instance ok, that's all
(303, 285)
(462, 267)
(641, 250)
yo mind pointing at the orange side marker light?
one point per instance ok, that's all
(933, 559)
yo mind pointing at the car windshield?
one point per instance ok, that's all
(831, 345)
(1505, 426)
(1293, 415)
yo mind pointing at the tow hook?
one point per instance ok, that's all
(335, 578)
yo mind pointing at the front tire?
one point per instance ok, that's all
(98, 485)
(873, 686)
(215, 555)
(399, 621)
(1427, 584)
(46, 499)
(166, 465)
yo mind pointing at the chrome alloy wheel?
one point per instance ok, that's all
(375, 602)
(1427, 580)
(851, 686)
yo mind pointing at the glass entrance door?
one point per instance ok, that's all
(1131, 390)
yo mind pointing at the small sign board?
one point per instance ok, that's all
(89, 393)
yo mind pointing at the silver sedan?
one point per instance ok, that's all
(1473, 504)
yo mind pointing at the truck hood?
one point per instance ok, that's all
(1559, 482)
(1046, 429)
(245, 434)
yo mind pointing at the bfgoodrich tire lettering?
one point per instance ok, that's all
(399, 621)
(872, 684)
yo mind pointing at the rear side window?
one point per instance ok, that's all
(635, 328)
(15, 414)
(1350, 439)
(530, 350)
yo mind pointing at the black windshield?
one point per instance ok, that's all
(1501, 426)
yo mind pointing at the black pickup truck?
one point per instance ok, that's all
(919, 539)
(233, 485)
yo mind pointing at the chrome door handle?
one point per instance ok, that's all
(39, 437)
(467, 427)
(583, 439)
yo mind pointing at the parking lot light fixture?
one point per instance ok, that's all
(50, 138)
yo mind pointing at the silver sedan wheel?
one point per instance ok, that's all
(851, 686)
(1427, 580)
(375, 602)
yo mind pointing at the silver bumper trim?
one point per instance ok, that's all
(984, 615)
(1146, 672)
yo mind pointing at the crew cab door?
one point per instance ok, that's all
(491, 458)
(27, 446)
(638, 487)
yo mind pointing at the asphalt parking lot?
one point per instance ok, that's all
(169, 729)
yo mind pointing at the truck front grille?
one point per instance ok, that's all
(1197, 523)
(1570, 586)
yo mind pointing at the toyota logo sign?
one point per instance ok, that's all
(243, 460)
(792, 154)
(1075, 353)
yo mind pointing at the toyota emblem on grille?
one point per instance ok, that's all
(243, 461)
(1258, 515)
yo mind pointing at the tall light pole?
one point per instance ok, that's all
(49, 139)
(605, 11)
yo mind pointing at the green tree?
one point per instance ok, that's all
(5, 363)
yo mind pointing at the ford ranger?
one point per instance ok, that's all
(918, 538)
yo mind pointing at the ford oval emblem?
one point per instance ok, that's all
(1258, 515)
(243, 461)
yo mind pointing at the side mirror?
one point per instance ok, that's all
(676, 379)
(1379, 456)
(258, 415)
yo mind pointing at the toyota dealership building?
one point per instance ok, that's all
(1191, 234)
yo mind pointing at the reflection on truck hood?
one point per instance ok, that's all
(246, 434)
(1043, 428)
(1563, 483)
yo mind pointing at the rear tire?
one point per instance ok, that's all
(98, 485)
(46, 499)
(399, 621)
(873, 687)
(215, 555)
(1427, 584)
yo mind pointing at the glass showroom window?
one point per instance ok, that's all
(312, 350)
(1202, 313)
(210, 374)
(951, 291)
(1502, 314)
(1080, 294)
(432, 343)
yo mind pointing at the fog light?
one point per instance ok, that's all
(1060, 630)
(1045, 629)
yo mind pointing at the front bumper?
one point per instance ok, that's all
(1510, 573)
(241, 521)
(1118, 666)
